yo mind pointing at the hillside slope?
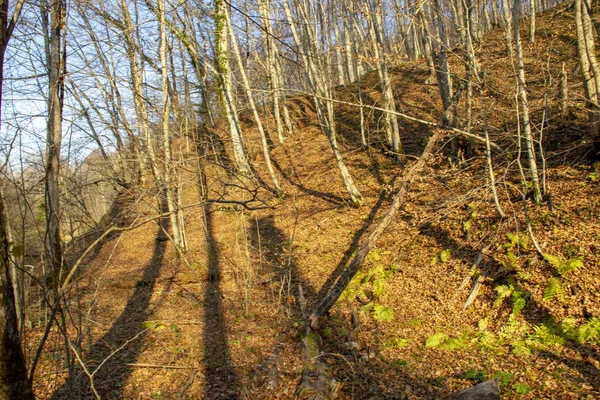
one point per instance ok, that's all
(225, 321)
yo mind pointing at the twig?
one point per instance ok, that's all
(87, 372)
(473, 267)
(475, 290)
(159, 366)
(187, 385)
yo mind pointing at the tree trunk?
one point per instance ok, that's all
(589, 63)
(522, 89)
(225, 90)
(325, 113)
(169, 188)
(392, 129)
(55, 61)
(564, 91)
(263, 136)
(532, 21)
(14, 383)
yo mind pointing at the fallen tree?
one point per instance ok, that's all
(346, 276)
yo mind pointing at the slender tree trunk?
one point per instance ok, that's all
(225, 90)
(532, 21)
(325, 113)
(522, 89)
(55, 61)
(428, 46)
(564, 91)
(392, 128)
(263, 136)
(264, 7)
(339, 60)
(443, 71)
(169, 188)
(349, 49)
(589, 63)
(136, 73)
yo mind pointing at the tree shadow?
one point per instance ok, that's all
(221, 378)
(119, 214)
(533, 312)
(356, 373)
(210, 145)
(295, 181)
(353, 246)
(278, 257)
(110, 358)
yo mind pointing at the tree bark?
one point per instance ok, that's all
(55, 62)
(14, 383)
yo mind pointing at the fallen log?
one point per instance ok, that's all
(346, 276)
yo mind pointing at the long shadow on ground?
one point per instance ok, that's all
(221, 378)
(110, 357)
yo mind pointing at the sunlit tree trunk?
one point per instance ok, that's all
(225, 90)
(522, 90)
(532, 21)
(443, 70)
(136, 74)
(54, 17)
(589, 64)
(275, 80)
(392, 129)
(325, 112)
(170, 190)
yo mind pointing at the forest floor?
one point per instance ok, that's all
(225, 320)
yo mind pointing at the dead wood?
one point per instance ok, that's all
(334, 293)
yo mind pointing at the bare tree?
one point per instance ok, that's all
(225, 89)
(309, 49)
(522, 93)
(392, 130)
(14, 383)
(53, 21)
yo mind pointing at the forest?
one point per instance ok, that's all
(299, 199)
